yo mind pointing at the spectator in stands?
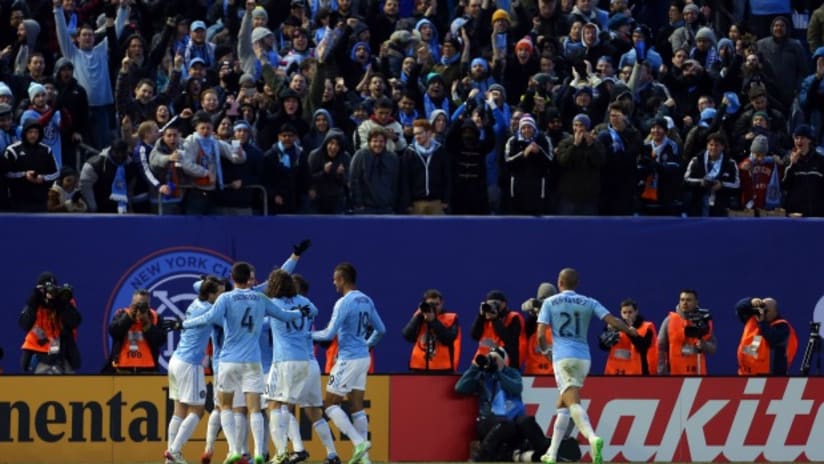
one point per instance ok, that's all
(811, 97)
(529, 162)
(73, 104)
(164, 174)
(468, 144)
(65, 195)
(136, 337)
(374, 177)
(761, 173)
(237, 198)
(580, 159)
(382, 119)
(92, 66)
(329, 168)
(711, 180)
(435, 334)
(787, 56)
(107, 179)
(804, 177)
(685, 338)
(47, 116)
(30, 168)
(282, 171)
(50, 319)
(684, 36)
(426, 180)
(660, 169)
(622, 143)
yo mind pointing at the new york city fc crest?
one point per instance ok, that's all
(168, 275)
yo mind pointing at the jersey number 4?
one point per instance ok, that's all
(246, 321)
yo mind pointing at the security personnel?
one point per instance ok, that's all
(631, 355)
(497, 326)
(769, 343)
(535, 362)
(435, 335)
(136, 337)
(50, 319)
(685, 338)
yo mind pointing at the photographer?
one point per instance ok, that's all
(50, 319)
(504, 429)
(535, 362)
(435, 334)
(630, 355)
(685, 338)
(768, 344)
(136, 337)
(497, 326)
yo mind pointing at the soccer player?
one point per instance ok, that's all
(187, 383)
(353, 315)
(241, 311)
(569, 314)
(294, 379)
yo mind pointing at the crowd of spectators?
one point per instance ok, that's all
(574, 107)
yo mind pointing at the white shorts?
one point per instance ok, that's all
(187, 383)
(243, 377)
(348, 375)
(270, 383)
(296, 382)
(570, 372)
(238, 400)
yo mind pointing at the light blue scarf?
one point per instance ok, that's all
(429, 106)
(210, 149)
(617, 142)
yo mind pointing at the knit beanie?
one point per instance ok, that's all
(705, 33)
(35, 89)
(260, 12)
(526, 43)
(527, 120)
(583, 119)
(260, 33)
(760, 145)
(500, 14)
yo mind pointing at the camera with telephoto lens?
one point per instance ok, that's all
(609, 337)
(58, 292)
(758, 310)
(699, 323)
(426, 307)
(490, 307)
(142, 307)
(486, 362)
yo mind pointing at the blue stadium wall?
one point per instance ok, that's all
(105, 258)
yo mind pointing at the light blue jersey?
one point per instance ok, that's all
(241, 311)
(267, 343)
(353, 317)
(293, 340)
(569, 313)
(192, 345)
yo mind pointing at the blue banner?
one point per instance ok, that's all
(106, 258)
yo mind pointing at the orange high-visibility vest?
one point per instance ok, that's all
(625, 359)
(46, 327)
(439, 359)
(135, 351)
(754, 353)
(489, 334)
(683, 352)
(536, 363)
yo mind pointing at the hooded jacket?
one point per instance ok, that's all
(329, 184)
(22, 157)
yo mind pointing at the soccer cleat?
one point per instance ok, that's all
(280, 459)
(174, 458)
(365, 460)
(360, 450)
(596, 446)
(298, 456)
(259, 459)
(233, 459)
(332, 460)
(206, 457)
(547, 460)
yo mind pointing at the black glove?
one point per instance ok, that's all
(302, 246)
(171, 324)
(305, 310)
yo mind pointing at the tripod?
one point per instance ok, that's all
(813, 347)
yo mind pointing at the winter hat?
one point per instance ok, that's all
(497, 87)
(196, 60)
(432, 77)
(457, 24)
(803, 130)
(527, 120)
(708, 114)
(691, 7)
(733, 104)
(705, 33)
(500, 14)
(546, 290)
(241, 124)
(760, 145)
(761, 114)
(479, 61)
(819, 53)
(583, 119)
(246, 80)
(725, 42)
(5, 90)
(62, 63)
(260, 33)
(35, 89)
(526, 42)
(496, 295)
(260, 12)
(435, 114)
